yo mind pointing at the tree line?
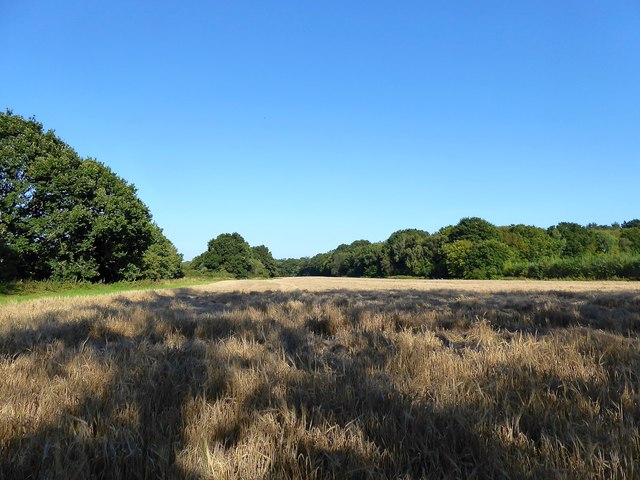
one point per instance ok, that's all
(64, 217)
(476, 249)
(472, 249)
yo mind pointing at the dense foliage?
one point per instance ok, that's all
(67, 218)
(229, 253)
(474, 248)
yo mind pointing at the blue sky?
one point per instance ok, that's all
(303, 125)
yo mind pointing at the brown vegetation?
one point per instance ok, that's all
(347, 379)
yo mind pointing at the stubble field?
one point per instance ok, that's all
(325, 378)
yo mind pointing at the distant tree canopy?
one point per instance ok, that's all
(263, 254)
(407, 253)
(530, 243)
(630, 240)
(475, 248)
(473, 229)
(635, 223)
(230, 253)
(64, 217)
(575, 238)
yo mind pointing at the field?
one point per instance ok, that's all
(325, 378)
(21, 291)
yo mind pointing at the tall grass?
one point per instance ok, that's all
(339, 384)
(22, 290)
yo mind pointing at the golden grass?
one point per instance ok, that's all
(325, 378)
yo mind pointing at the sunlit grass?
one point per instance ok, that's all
(21, 291)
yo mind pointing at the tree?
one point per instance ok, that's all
(161, 260)
(530, 243)
(602, 242)
(358, 259)
(289, 267)
(575, 237)
(230, 253)
(365, 259)
(474, 229)
(65, 217)
(263, 254)
(630, 240)
(318, 265)
(408, 253)
(483, 259)
(8, 261)
(456, 257)
(434, 247)
(487, 258)
(635, 223)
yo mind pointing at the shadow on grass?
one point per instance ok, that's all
(96, 439)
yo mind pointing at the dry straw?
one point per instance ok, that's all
(320, 378)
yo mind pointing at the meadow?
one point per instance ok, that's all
(325, 378)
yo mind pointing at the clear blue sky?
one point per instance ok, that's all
(306, 124)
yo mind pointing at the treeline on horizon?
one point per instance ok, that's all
(66, 218)
(471, 249)
(477, 249)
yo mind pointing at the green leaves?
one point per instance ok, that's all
(530, 243)
(230, 253)
(69, 218)
(474, 229)
(408, 253)
(161, 260)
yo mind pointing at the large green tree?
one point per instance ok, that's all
(230, 253)
(319, 264)
(65, 217)
(474, 229)
(576, 240)
(630, 240)
(408, 253)
(481, 259)
(289, 267)
(358, 259)
(263, 254)
(530, 243)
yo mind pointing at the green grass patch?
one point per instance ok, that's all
(20, 291)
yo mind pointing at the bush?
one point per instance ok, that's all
(588, 268)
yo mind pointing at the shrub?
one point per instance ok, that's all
(598, 267)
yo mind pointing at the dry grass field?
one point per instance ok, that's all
(325, 378)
